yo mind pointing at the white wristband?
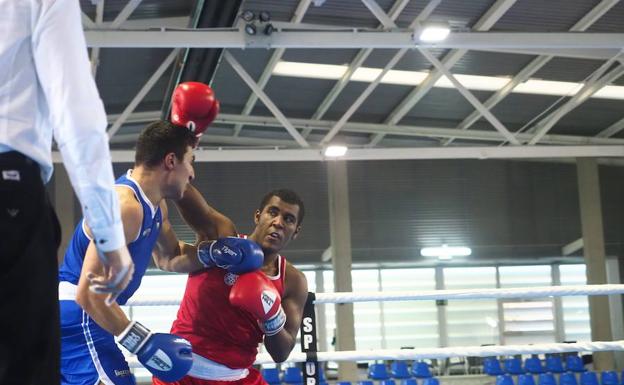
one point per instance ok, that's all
(275, 324)
(134, 336)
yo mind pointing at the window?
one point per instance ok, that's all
(527, 321)
(471, 322)
(409, 323)
(575, 309)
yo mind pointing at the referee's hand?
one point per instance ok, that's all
(118, 270)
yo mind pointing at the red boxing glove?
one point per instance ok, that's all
(194, 106)
(255, 293)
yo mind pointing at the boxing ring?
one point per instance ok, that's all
(310, 357)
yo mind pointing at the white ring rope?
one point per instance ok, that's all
(461, 294)
(459, 351)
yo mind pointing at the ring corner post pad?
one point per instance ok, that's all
(310, 367)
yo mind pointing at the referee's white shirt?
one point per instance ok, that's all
(46, 89)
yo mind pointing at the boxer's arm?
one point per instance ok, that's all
(281, 344)
(208, 223)
(110, 318)
(171, 254)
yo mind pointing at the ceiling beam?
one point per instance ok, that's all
(612, 129)
(265, 99)
(293, 155)
(371, 128)
(536, 64)
(95, 51)
(125, 13)
(87, 23)
(413, 131)
(359, 59)
(142, 92)
(362, 97)
(591, 87)
(380, 14)
(471, 98)
(300, 11)
(484, 23)
(354, 38)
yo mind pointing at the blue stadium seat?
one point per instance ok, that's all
(574, 363)
(533, 365)
(546, 379)
(409, 381)
(292, 376)
(526, 379)
(568, 378)
(491, 366)
(365, 382)
(504, 379)
(343, 383)
(322, 379)
(513, 366)
(271, 376)
(420, 369)
(431, 381)
(399, 370)
(378, 372)
(609, 378)
(387, 382)
(590, 378)
(554, 364)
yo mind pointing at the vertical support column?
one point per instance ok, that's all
(615, 303)
(340, 231)
(501, 313)
(555, 274)
(64, 199)
(321, 313)
(594, 252)
(441, 309)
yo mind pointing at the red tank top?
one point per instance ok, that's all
(217, 330)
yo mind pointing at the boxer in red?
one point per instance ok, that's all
(225, 316)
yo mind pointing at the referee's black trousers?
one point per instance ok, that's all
(29, 312)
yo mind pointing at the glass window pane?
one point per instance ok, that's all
(575, 309)
(471, 322)
(531, 320)
(409, 323)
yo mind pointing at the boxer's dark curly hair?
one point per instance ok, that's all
(159, 139)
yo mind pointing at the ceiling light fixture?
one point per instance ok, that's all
(433, 32)
(335, 151)
(445, 253)
(414, 78)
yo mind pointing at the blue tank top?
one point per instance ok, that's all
(140, 249)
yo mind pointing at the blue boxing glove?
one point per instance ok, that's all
(167, 356)
(236, 255)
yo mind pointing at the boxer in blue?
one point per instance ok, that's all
(163, 169)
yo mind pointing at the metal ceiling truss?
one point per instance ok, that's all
(265, 99)
(535, 65)
(312, 155)
(351, 38)
(591, 87)
(575, 42)
(300, 11)
(374, 128)
(142, 92)
(450, 59)
(361, 56)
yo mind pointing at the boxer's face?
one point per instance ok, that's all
(182, 173)
(276, 224)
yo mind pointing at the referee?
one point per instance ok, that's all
(46, 89)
